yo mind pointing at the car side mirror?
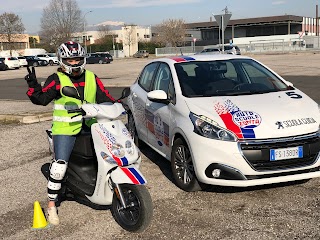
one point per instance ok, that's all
(125, 93)
(71, 92)
(158, 96)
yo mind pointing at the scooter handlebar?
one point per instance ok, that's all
(78, 110)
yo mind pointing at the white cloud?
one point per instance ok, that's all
(133, 3)
(110, 23)
(278, 3)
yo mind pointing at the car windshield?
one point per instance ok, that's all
(226, 78)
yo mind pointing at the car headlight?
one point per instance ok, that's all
(210, 129)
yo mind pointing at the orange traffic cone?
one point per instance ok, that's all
(39, 220)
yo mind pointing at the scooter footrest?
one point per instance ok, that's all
(80, 187)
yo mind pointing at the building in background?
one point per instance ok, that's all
(19, 43)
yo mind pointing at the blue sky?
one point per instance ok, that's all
(152, 12)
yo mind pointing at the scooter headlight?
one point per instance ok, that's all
(129, 147)
(118, 150)
(210, 129)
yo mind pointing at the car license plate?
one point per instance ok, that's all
(286, 153)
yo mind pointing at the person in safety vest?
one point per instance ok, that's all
(72, 72)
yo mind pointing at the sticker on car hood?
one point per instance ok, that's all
(240, 122)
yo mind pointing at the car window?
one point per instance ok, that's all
(163, 78)
(226, 78)
(231, 72)
(259, 75)
(146, 76)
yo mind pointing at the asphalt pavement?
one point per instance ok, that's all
(284, 212)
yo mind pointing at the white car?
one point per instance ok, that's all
(22, 61)
(51, 59)
(10, 62)
(225, 120)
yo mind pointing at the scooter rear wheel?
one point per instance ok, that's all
(137, 216)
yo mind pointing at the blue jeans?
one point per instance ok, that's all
(63, 145)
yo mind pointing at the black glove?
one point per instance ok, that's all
(31, 78)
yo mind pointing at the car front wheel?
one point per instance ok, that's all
(182, 167)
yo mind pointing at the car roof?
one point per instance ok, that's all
(208, 57)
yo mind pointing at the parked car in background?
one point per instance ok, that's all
(11, 62)
(2, 65)
(49, 58)
(35, 61)
(232, 49)
(225, 120)
(99, 58)
(141, 54)
(210, 51)
(22, 61)
(228, 49)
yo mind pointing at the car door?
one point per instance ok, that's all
(139, 92)
(158, 115)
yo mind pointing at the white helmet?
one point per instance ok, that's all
(71, 50)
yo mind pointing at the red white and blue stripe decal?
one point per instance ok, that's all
(241, 123)
(109, 140)
(134, 175)
(182, 58)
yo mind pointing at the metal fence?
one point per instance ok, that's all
(260, 46)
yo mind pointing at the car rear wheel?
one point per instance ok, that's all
(51, 63)
(182, 167)
(100, 61)
(35, 64)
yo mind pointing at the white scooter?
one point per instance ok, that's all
(103, 167)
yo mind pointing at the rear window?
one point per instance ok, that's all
(12, 58)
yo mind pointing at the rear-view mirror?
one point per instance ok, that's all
(71, 92)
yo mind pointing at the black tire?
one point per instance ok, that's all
(100, 62)
(137, 217)
(51, 63)
(133, 131)
(35, 64)
(182, 168)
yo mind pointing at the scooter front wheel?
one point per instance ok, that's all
(137, 215)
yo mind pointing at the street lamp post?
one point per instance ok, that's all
(84, 30)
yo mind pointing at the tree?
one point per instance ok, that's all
(129, 37)
(170, 32)
(103, 33)
(33, 42)
(10, 28)
(60, 19)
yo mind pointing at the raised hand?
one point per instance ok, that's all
(31, 77)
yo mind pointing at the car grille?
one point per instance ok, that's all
(257, 153)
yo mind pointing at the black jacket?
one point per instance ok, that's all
(51, 90)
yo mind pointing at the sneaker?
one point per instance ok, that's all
(53, 217)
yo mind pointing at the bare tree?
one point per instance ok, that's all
(129, 37)
(104, 34)
(60, 19)
(170, 32)
(10, 28)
